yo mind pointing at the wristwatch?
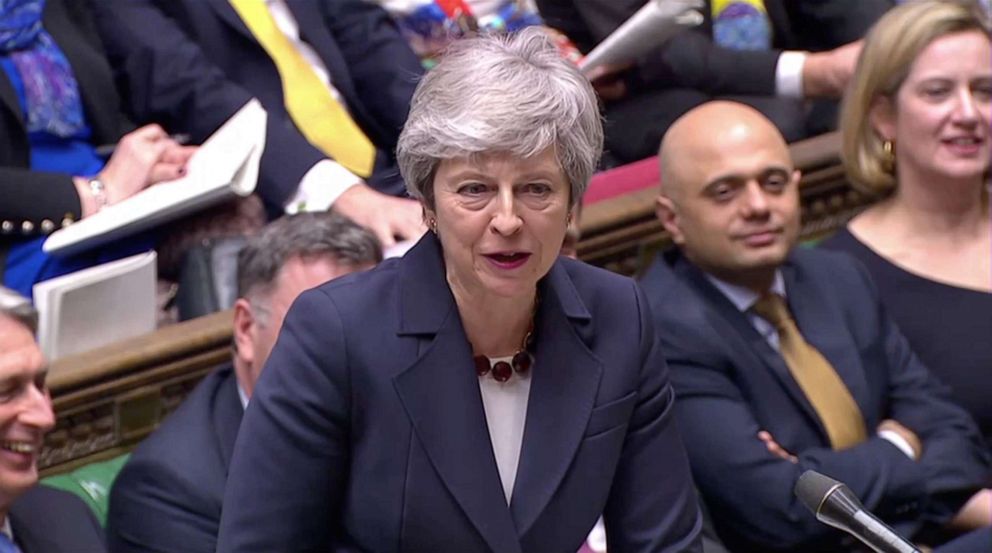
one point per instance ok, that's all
(99, 192)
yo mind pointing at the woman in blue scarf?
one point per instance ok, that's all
(57, 103)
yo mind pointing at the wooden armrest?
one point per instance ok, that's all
(108, 399)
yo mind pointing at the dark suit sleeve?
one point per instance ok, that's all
(166, 78)
(292, 448)
(35, 196)
(666, 519)
(689, 60)
(826, 24)
(381, 63)
(738, 475)
(154, 509)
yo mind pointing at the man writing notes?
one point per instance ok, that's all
(335, 77)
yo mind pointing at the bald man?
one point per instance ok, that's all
(783, 360)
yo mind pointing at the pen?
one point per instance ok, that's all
(106, 150)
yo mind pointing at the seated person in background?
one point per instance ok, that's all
(783, 359)
(429, 25)
(335, 77)
(916, 128)
(168, 495)
(752, 51)
(33, 518)
(57, 103)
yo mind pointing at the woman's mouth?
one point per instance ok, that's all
(964, 145)
(507, 260)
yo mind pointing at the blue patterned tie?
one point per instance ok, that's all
(6, 545)
(741, 24)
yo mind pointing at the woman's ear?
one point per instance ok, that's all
(430, 219)
(882, 117)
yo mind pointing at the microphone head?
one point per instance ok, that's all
(812, 488)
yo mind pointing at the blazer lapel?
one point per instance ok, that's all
(823, 329)
(563, 392)
(9, 98)
(727, 313)
(440, 393)
(91, 71)
(231, 17)
(314, 30)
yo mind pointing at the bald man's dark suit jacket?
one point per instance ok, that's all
(367, 431)
(46, 520)
(730, 383)
(191, 64)
(168, 495)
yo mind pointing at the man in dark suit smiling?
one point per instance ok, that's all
(789, 352)
(33, 519)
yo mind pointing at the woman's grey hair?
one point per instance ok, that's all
(305, 235)
(19, 308)
(510, 94)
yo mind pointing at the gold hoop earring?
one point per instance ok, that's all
(889, 157)
(432, 223)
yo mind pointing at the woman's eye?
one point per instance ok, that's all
(472, 189)
(537, 189)
(935, 92)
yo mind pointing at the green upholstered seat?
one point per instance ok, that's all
(91, 483)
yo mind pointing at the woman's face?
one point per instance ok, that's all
(501, 220)
(940, 120)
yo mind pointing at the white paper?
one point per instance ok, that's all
(224, 166)
(96, 306)
(650, 27)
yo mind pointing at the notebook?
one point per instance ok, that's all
(225, 165)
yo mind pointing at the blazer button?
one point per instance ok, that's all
(6, 227)
(27, 227)
(47, 226)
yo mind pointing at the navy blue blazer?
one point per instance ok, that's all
(191, 64)
(46, 520)
(168, 495)
(731, 383)
(367, 429)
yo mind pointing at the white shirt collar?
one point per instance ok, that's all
(7, 528)
(743, 298)
(242, 396)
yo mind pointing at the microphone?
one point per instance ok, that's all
(835, 504)
(648, 28)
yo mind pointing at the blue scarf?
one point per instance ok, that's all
(51, 91)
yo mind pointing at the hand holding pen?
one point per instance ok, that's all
(142, 158)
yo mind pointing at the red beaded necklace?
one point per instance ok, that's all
(520, 363)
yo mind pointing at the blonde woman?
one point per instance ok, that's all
(916, 132)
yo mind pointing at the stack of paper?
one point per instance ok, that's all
(96, 306)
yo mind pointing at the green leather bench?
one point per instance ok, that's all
(91, 483)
